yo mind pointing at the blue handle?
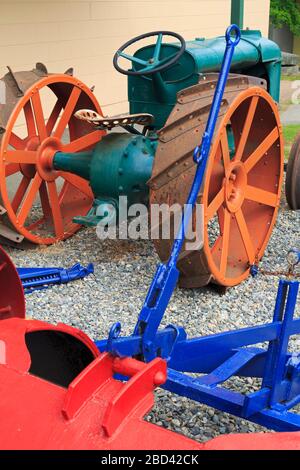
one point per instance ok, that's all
(233, 35)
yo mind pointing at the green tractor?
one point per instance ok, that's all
(147, 155)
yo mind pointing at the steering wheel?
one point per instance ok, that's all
(155, 64)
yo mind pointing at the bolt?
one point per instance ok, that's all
(125, 153)
(121, 171)
(232, 177)
(159, 378)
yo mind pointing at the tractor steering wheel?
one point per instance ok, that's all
(155, 64)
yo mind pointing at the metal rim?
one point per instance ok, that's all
(244, 195)
(12, 300)
(292, 190)
(23, 156)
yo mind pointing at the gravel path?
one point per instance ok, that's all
(123, 272)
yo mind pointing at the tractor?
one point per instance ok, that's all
(73, 163)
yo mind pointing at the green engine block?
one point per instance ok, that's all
(119, 165)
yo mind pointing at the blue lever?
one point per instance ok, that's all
(41, 278)
(166, 277)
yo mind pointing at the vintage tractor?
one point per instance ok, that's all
(84, 395)
(77, 171)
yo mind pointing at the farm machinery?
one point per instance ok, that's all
(70, 167)
(81, 394)
(292, 187)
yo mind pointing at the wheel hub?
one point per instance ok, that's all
(32, 144)
(235, 185)
(45, 156)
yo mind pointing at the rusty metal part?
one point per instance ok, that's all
(289, 274)
(292, 183)
(239, 208)
(109, 122)
(39, 207)
(19, 90)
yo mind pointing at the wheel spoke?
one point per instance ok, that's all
(225, 243)
(55, 208)
(53, 117)
(16, 142)
(11, 169)
(157, 47)
(83, 142)
(18, 197)
(261, 149)
(247, 242)
(262, 196)
(29, 199)
(215, 204)
(225, 150)
(67, 113)
(44, 197)
(78, 183)
(21, 156)
(39, 116)
(246, 128)
(133, 59)
(29, 117)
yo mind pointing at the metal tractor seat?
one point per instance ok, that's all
(108, 123)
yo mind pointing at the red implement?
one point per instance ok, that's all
(57, 391)
(70, 398)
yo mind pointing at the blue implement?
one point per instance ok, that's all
(41, 278)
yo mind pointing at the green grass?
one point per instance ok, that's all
(290, 78)
(289, 134)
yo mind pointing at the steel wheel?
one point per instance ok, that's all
(242, 194)
(292, 183)
(43, 203)
(242, 187)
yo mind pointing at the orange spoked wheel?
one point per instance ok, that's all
(242, 189)
(241, 192)
(39, 205)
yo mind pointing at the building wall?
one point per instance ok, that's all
(85, 33)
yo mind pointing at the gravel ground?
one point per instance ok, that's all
(123, 272)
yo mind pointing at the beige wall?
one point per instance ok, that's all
(85, 33)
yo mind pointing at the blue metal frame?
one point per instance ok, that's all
(41, 278)
(233, 353)
(221, 356)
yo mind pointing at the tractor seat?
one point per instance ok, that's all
(108, 123)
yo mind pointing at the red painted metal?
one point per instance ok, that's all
(93, 410)
(12, 301)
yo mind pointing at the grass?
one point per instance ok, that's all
(289, 134)
(290, 78)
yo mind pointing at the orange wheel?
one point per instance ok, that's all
(242, 190)
(40, 205)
